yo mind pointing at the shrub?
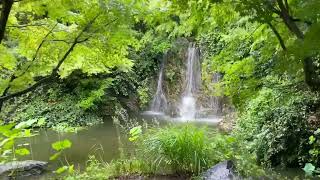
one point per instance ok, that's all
(275, 121)
(54, 106)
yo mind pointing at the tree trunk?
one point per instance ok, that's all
(1, 104)
(310, 69)
(5, 12)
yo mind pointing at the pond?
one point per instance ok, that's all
(101, 141)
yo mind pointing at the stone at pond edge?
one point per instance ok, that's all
(22, 168)
(222, 171)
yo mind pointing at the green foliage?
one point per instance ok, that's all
(69, 169)
(276, 123)
(101, 31)
(61, 145)
(311, 168)
(95, 95)
(11, 147)
(144, 95)
(55, 107)
(135, 133)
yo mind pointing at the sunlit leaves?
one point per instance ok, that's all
(135, 133)
(61, 145)
(45, 30)
(22, 152)
(8, 61)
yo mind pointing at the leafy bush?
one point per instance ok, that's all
(276, 124)
(10, 147)
(312, 167)
(55, 105)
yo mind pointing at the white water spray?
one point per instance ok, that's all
(188, 107)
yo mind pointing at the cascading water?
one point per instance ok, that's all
(188, 108)
(159, 102)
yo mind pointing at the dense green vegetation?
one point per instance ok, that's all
(75, 63)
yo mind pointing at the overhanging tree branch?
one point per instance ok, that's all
(54, 73)
(13, 77)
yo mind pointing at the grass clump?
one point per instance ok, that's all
(180, 149)
(191, 150)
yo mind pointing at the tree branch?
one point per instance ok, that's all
(275, 31)
(5, 12)
(287, 19)
(25, 25)
(287, 6)
(54, 73)
(38, 49)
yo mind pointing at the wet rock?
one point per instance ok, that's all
(22, 168)
(222, 171)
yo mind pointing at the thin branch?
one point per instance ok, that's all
(59, 40)
(26, 25)
(75, 42)
(13, 77)
(38, 49)
(31, 88)
(54, 73)
(275, 31)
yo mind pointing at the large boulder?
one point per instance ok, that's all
(222, 171)
(22, 168)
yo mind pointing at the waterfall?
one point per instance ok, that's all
(188, 108)
(159, 102)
